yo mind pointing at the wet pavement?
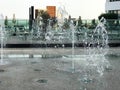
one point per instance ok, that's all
(51, 69)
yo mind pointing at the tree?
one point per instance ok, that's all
(14, 20)
(79, 22)
(6, 21)
(108, 16)
(45, 16)
(111, 19)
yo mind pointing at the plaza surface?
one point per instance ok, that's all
(46, 69)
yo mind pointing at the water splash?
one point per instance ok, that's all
(96, 46)
(61, 14)
(100, 34)
(72, 27)
(1, 36)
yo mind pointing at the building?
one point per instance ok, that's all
(51, 11)
(36, 13)
(113, 6)
(31, 17)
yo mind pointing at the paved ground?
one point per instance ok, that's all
(51, 71)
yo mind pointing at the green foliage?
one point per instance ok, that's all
(79, 21)
(45, 15)
(66, 24)
(108, 16)
(111, 20)
(6, 22)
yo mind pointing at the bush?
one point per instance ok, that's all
(108, 16)
(111, 19)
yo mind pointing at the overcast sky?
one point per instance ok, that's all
(87, 9)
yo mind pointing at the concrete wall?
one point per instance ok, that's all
(112, 5)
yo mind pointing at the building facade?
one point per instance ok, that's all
(113, 6)
(51, 11)
(31, 16)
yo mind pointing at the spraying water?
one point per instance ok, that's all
(1, 36)
(96, 46)
(72, 27)
(61, 14)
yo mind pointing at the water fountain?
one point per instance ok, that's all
(81, 67)
(57, 68)
(61, 14)
(2, 38)
(92, 63)
(96, 47)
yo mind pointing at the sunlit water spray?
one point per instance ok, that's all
(72, 27)
(2, 39)
(95, 47)
(91, 63)
(1, 36)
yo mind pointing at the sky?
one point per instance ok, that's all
(87, 9)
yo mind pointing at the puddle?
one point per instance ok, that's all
(42, 81)
(37, 70)
(1, 70)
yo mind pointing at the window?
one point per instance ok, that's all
(118, 11)
(111, 11)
